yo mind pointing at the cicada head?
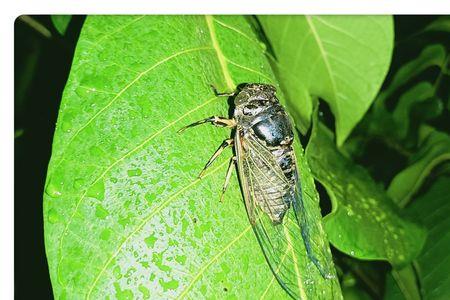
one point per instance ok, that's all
(254, 98)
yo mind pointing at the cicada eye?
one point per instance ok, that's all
(241, 99)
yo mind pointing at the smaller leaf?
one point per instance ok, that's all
(402, 284)
(414, 106)
(61, 22)
(433, 210)
(434, 150)
(433, 55)
(396, 125)
(401, 115)
(440, 24)
(364, 222)
(342, 60)
(355, 293)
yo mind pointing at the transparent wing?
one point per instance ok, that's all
(283, 244)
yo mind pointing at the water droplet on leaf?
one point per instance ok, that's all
(150, 241)
(101, 212)
(97, 190)
(52, 216)
(78, 183)
(53, 189)
(134, 172)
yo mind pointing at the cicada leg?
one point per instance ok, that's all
(215, 120)
(227, 178)
(226, 143)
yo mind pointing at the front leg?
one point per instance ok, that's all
(215, 120)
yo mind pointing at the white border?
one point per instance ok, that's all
(18, 7)
(233, 7)
(7, 158)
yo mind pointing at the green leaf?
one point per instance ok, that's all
(355, 293)
(415, 104)
(433, 210)
(401, 115)
(364, 222)
(125, 216)
(342, 60)
(351, 290)
(402, 284)
(396, 125)
(440, 24)
(61, 22)
(434, 150)
(432, 55)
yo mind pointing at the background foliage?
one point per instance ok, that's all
(387, 165)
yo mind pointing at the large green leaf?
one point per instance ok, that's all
(364, 222)
(340, 59)
(125, 216)
(433, 210)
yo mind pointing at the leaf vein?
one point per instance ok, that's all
(249, 69)
(237, 31)
(144, 221)
(294, 258)
(124, 89)
(150, 138)
(212, 260)
(273, 275)
(119, 29)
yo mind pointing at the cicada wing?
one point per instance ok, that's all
(283, 244)
(277, 241)
(316, 246)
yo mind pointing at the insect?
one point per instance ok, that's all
(268, 176)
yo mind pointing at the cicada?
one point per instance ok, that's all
(269, 178)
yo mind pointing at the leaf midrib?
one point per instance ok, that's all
(325, 60)
(222, 60)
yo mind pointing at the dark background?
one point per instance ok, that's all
(42, 63)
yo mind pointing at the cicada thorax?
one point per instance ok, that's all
(275, 132)
(261, 118)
